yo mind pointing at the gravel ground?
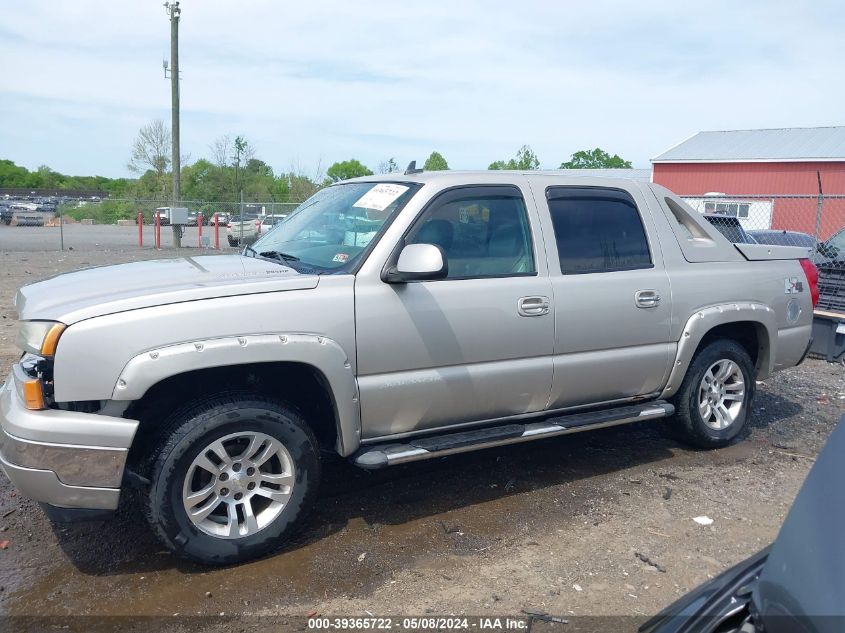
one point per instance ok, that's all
(597, 523)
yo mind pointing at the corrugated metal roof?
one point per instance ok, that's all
(783, 144)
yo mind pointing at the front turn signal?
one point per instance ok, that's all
(33, 395)
(51, 341)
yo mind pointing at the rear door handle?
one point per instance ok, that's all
(533, 306)
(647, 298)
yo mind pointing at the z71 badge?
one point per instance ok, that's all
(792, 286)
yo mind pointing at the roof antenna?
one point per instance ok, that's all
(412, 168)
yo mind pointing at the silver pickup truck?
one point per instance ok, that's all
(389, 319)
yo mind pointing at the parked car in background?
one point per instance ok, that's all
(730, 227)
(222, 217)
(193, 216)
(252, 227)
(163, 216)
(27, 214)
(784, 238)
(829, 316)
(269, 221)
(242, 229)
(794, 585)
(391, 319)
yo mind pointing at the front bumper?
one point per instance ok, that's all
(63, 458)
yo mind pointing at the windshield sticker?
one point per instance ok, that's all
(381, 196)
(341, 257)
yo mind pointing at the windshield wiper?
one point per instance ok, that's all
(250, 249)
(285, 257)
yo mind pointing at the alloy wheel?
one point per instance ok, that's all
(238, 485)
(721, 394)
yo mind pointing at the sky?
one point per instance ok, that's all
(311, 83)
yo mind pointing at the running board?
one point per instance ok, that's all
(381, 456)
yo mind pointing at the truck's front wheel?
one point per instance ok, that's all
(714, 400)
(231, 479)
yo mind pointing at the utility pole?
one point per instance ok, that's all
(240, 148)
(174, 12)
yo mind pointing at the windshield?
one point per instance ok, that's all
(332, 229)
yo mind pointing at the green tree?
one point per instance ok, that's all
(259, 180)
(525, 159)
(151, 149)
(300, 187)
(347, 169)
(151, 153)
(203, 181)
(388, 166)
(243, 153)
(281, 190)
(12, 175)
(436, 162)
(595, 159)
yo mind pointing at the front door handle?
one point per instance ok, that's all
(533, 306)
(647, 298)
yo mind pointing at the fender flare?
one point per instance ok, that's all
(320, 352)
(705, 319)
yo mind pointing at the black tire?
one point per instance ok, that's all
(688, 424)
(232, 241)
(191, 430)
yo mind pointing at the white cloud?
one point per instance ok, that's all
(475, 80)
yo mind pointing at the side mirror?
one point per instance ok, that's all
(418, 262)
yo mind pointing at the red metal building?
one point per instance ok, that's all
(777, 162)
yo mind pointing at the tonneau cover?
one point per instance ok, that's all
(758, 252)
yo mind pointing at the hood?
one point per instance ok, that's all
(94, 292)
(804, 575)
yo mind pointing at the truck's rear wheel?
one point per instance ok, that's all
(232, 240)
(714, 400)
(232, 478)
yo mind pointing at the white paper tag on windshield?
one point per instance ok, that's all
(381, 196)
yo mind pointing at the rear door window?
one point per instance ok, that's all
(597, 230)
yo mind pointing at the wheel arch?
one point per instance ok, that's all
(308, 371)
(752, 325)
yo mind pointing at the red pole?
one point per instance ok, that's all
(158, 230)
(199, 225)
(141, 230)
(217, 231)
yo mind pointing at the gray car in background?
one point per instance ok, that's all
(389, 319)
(785, 238)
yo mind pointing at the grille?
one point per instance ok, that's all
(832, 289)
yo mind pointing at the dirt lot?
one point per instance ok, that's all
(555, 526)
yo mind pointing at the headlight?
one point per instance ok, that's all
(39, 337)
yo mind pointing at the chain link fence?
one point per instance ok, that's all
(789, 220)
(792, 220)
(112, 210)
(808, 221)
(113, 223)
(813, 222)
